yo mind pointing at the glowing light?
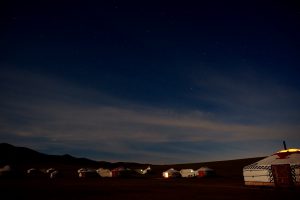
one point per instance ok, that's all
(289, 151)
(166, 175)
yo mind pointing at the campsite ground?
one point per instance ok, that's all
(137, 188)
(227, 184)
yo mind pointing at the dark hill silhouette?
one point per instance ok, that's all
(10, 154)
(16, 155)
(23, 158)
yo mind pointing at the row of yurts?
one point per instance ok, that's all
(121, 171)
(116, 172)
(279, 169)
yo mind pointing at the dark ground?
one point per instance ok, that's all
(227, 184)
(143, 188)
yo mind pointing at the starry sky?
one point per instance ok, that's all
(150, 81)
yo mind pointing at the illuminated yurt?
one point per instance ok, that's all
(171, 173)
(188, 173)
(123, 172)
(143, 171)
(87, 172)
(280, 169)
(104, 172)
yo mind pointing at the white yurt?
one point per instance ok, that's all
(188, 173)
(86, 172)
(143, 171)
(54, 174)
(171, 173)
(104, 172)
(5, 170)
(279, 169)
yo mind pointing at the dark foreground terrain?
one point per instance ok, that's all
(146, 188)
(227, 184)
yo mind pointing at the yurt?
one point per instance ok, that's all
(5, 170)
(104, 172)
(117, 171)
(54, 174)
(188, 173)
(171, 173)
(50, 170)
(87, 172)
(205, 171)
(143, 171)
(282, 169)
(33, 172)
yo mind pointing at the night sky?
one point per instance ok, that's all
(150, 81)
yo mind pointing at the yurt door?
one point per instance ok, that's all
(282, 175)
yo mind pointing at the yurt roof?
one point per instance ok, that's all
(289, 150)
(288, 156)
(171, 170)
(118, 169)
(205, 169)
(187, 169)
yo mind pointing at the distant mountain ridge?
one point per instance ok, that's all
(19, 155)
(24, 158)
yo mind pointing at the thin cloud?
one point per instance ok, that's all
(249, 96)
(99, 123)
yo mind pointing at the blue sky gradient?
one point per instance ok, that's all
(151, 82)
